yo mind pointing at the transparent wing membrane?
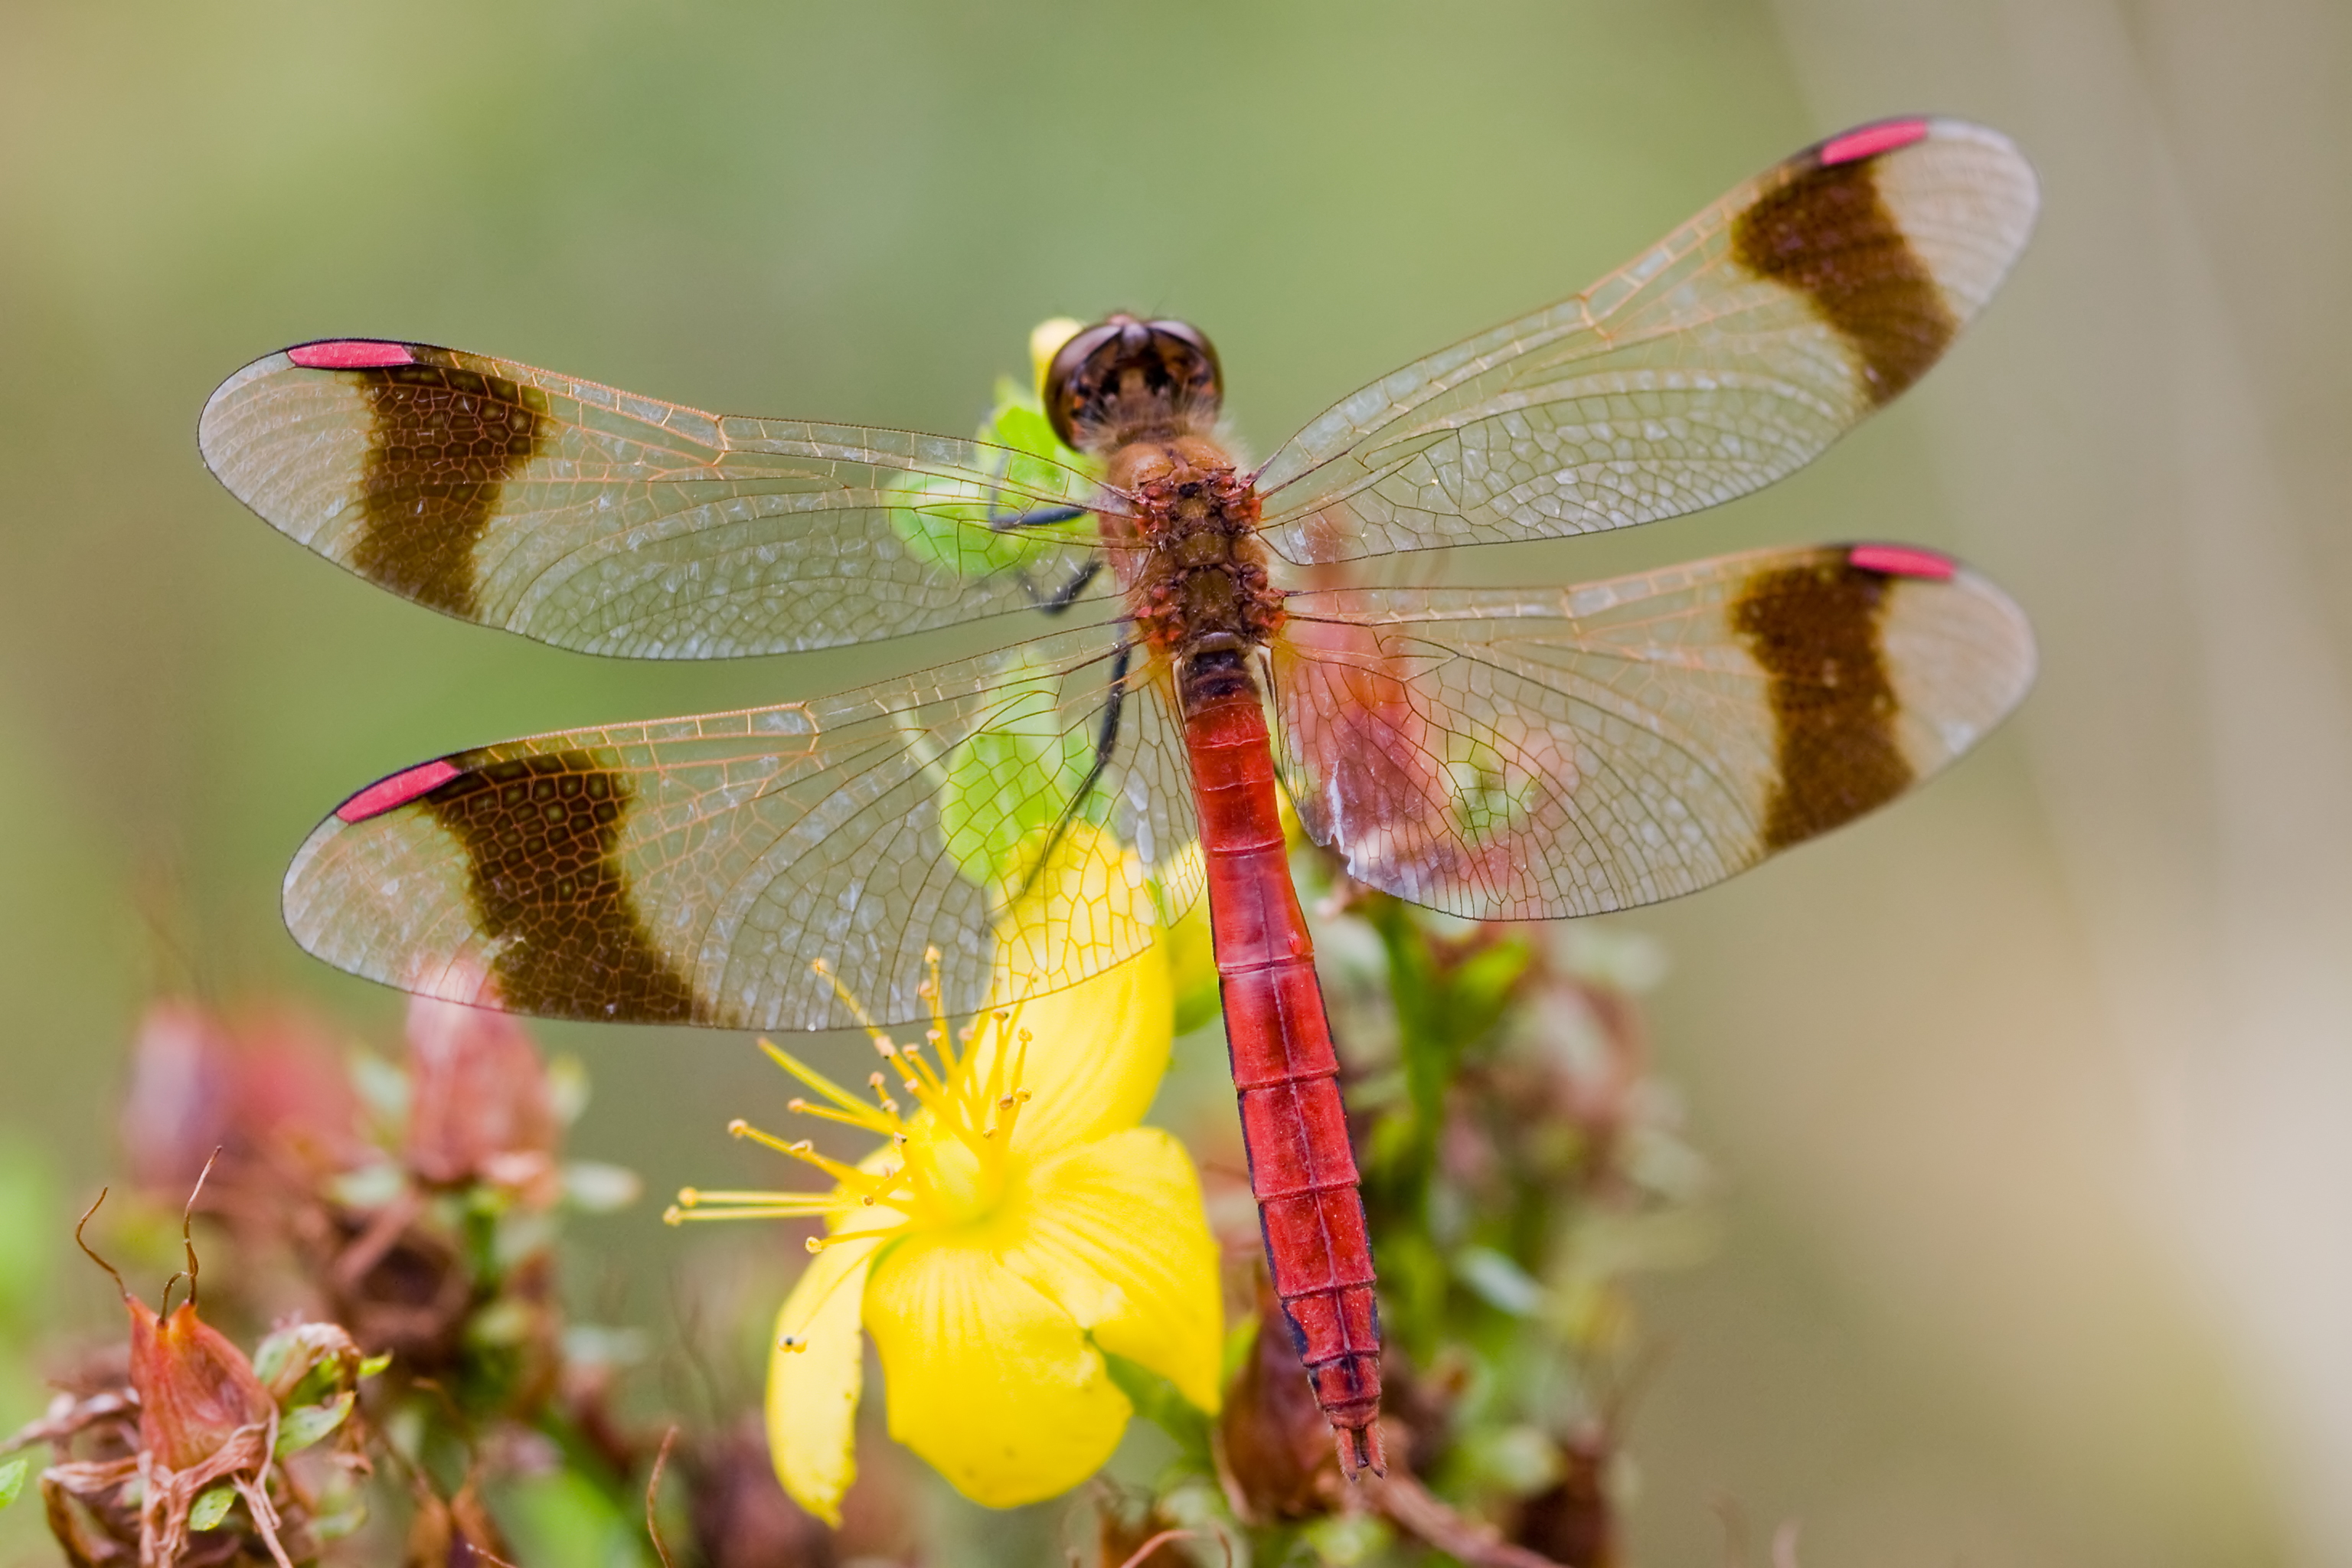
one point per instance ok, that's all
(598, 520)
(1721, 358)
(694, 870)
(1533, 754)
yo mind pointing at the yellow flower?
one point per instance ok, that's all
(1045, 341)
(1016, 1224)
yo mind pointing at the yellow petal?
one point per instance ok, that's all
(988, 1380)
(1045, 341)
(1114, 1232)
(1095, 1054)
(812, 1391)
(1088, 907)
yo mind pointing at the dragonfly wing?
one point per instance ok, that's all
(692, 869)
(1725, 355)
(598, 520)
(1533, 754)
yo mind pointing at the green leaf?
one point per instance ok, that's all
(375, 1364)
(952, 522)
(505, 1321)
(1519, 1459)
(518, 1237)
(1156, 1400)
(1483, 983)
(1499, 1282)
(592, 1186)
(270, 1356)
(562, 1517)
(1241, 1338)
(1018, 420)
(1346, 1539)
(1006, 784)
(335, 1526)
(12, 1479)
(212, 1506)
(949, 521)
(305, 1424)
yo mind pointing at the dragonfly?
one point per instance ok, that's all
(1505, 753)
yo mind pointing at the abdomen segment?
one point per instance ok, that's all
(1286, 1075)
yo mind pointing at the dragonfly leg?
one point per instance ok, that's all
(1063, 597)
(1004, 521)
(1106, 743)
(1001, 520)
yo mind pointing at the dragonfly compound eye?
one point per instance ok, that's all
(1124, 375)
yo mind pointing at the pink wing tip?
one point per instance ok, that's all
(1901, 560)
(1867, 141)
(396, 791)
(351, 353)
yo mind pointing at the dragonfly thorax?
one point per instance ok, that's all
(1199, 586)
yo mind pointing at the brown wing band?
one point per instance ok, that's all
(542, 837)
(1814, 629)
(1829, 234)
(444, 441)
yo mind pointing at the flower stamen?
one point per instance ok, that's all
(866, 1120)
(693, 1204)
(803, 1150)
(849, 1104)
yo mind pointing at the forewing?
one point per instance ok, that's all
(598, 520)
(1725, 355)
(1532, 754)
(692, 870)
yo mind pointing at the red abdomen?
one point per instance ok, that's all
(1286, 1075)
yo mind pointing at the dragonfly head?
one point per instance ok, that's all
(1123, 378)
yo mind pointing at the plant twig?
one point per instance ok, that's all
(653, 1494)
(1136, 1558)
(1421, 1513)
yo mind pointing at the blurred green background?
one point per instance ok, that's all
(2033, 1096)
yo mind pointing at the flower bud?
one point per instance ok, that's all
(268, 1093)
(196, 1390)
(480, 1108)
(181, 1097)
